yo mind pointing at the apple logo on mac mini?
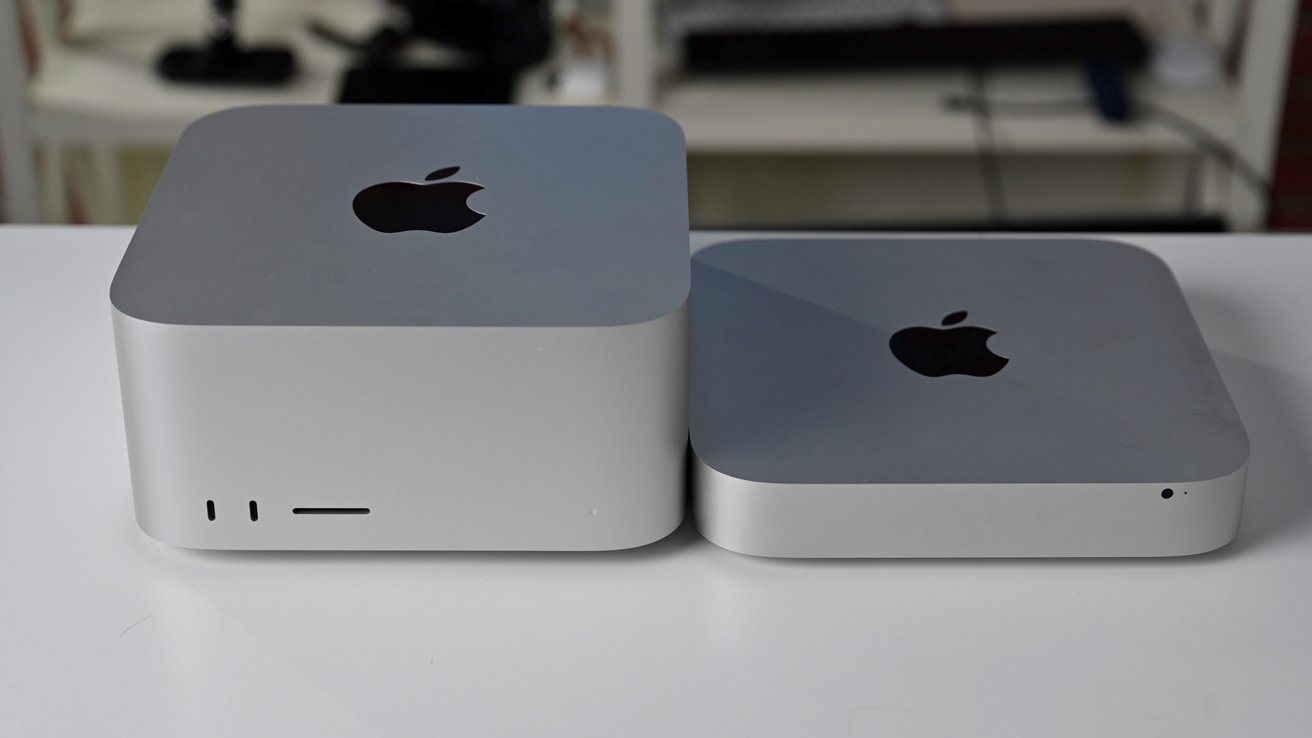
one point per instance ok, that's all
(938, 352)
(440, 207)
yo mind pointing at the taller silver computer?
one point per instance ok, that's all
(410, 328)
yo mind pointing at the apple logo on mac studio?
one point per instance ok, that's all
(437, 204)
(950, 349)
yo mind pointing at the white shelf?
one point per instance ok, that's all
(904, 113)
(98, 87)
(106, 72)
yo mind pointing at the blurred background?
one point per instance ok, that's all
(1075, 115)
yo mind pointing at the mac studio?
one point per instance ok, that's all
(433, 345)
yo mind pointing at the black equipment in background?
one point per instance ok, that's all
(406, 85)
(222, 60)
(1023, 43)
(500, 34)
(497, 39)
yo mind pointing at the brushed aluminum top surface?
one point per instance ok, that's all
(1109, 380)
(252, 222)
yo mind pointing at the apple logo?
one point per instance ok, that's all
(440, 207)
(937, 352)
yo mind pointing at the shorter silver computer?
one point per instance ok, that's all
(953, 398)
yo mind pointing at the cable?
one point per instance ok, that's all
(1212, 145)
(990, 167)
(1202, 139)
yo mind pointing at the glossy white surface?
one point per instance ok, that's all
(105, 632)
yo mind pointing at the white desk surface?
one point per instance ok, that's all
(105, 632)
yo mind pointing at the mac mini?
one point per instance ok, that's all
(955, 398)
(410, 328)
